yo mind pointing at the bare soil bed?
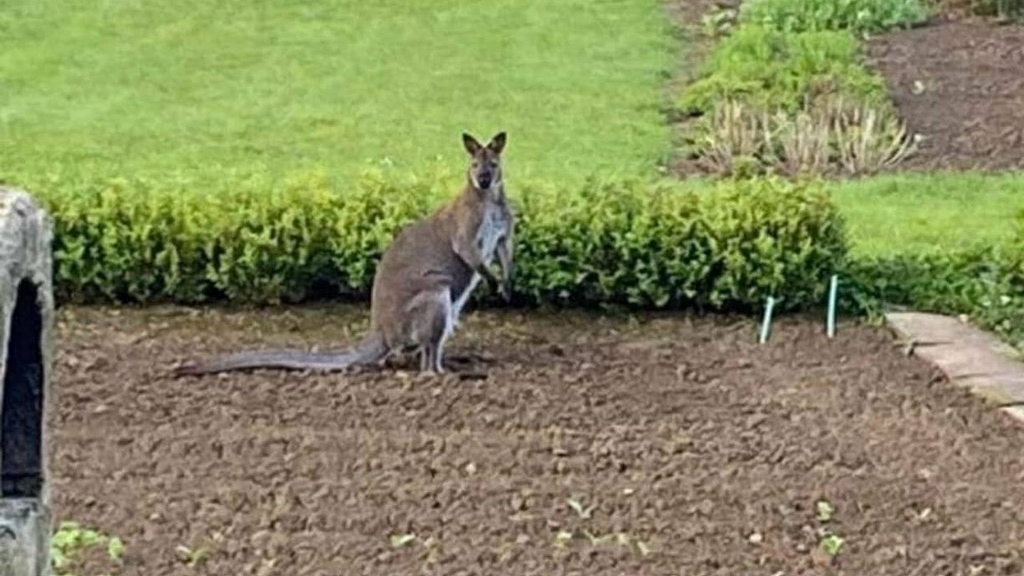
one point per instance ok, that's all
(681, 434)
(958, 84)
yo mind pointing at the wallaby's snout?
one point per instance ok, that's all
(485, 168)
(483, 178)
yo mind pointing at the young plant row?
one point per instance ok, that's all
(786, 89)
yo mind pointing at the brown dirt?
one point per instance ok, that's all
(971, 109)
(680, 433)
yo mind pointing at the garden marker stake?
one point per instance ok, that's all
(767, 321)
(423, 279)
(831, 320)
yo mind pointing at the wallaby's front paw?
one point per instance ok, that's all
(505, 291)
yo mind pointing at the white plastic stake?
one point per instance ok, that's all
(767, 321)
(831, 319)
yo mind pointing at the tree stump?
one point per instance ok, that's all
(26, 355)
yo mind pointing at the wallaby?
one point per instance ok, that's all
(423, 280)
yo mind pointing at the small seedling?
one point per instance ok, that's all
(631, 543)
(596, 540)
(192, 558)
(642, 548)
(71, 538)
(577, 507)
(832, 544)
(562, 538)
(825, 511)
(115, 548)
(402, 540)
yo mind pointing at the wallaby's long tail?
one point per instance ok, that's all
(371, 348)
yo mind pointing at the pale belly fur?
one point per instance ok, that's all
(490, 232)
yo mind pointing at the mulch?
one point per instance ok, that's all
(959, 84)
(684, 446)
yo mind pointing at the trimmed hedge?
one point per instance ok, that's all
(639, 244)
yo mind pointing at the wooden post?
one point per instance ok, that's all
(26, 355)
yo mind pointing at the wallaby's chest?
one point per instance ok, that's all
(493, 226)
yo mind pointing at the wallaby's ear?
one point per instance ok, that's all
(472, 146)
(497, 144)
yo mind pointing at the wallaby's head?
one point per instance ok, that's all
(485, 167)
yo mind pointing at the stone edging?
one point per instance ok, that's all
(968, 356)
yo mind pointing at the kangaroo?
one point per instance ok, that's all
(423, 280)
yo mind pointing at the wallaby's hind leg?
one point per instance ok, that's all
(438, 356)
(426, 359)
(446, 329)
(430, 359)
(431, 326)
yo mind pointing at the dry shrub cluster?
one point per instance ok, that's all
(829, 137)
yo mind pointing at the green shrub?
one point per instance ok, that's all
(858, 16)
(653, 246)
(936, 282)
(771, 70)
(632, 243)
(983, 279)
(251, 240)
(986, 283)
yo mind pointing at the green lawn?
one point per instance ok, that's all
(202, 87)
(214, 90)
(924, 213)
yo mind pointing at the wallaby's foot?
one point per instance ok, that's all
(430, 368)
(505, 290)
(430, 360)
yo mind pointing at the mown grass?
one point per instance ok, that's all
(929, 213)
(200, 88)
(196, 93)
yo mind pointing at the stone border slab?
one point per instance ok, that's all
(968, 356)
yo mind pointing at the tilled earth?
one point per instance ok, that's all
(559, 444)
(959, 84)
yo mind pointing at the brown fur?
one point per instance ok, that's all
(422, 279)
